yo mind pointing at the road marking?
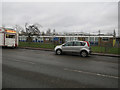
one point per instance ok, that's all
(97, 74)
(24, 61)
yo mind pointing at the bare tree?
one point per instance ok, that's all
(54, 32)
(32, 30)
(42, 33)
(48, 32)
(18, 28)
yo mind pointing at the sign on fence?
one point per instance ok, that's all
(114, 41)
(56, 39)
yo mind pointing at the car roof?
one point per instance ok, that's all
(75, 41)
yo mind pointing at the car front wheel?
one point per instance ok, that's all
(58, 52)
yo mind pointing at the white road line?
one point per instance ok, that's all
(97, 74)
(24, 61)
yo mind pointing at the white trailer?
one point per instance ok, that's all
(8, 37)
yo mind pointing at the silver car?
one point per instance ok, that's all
(81, 47)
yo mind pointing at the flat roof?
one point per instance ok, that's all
(67, 36)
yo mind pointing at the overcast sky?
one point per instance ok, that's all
(63, 16)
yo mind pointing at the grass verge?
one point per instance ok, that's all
(95, 49)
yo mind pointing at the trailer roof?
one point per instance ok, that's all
(8, 30)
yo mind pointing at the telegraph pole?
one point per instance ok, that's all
(99, 37)
(114, 33)
(99, 32)
(114, 37)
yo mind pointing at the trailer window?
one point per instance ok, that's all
(10, 36)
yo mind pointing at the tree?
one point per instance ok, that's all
(18, 28)
(48, 31)
(42, 33)
(32, 29)
(23, 32)
(54, 32)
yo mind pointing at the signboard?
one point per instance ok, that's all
(56, 39)
(114, 41)
(10, 31)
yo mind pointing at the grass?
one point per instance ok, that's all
(36, 45)
(97, 49)
(109, 50)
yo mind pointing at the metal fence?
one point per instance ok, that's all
(96, 44)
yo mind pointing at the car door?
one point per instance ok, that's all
(78, 46)
(67, 47)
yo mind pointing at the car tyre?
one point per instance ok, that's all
(58, 52)
(84, 54)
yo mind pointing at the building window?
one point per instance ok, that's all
(96, 39)
(47, 39)
(105, 39)
(86, 39)
(75, 38)
(92, 39)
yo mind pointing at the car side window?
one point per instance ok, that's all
(79, 43)
(82, 43)
(69, 44)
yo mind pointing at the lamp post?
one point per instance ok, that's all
(54, 40)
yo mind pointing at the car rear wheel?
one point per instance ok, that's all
(58, 52)
(84, 54)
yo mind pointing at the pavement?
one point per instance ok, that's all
(45, 49)
(26, 68)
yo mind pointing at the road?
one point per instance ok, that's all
(23, 68)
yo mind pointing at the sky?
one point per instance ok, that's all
(88, 17)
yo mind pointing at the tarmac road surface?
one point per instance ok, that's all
(23, 68)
